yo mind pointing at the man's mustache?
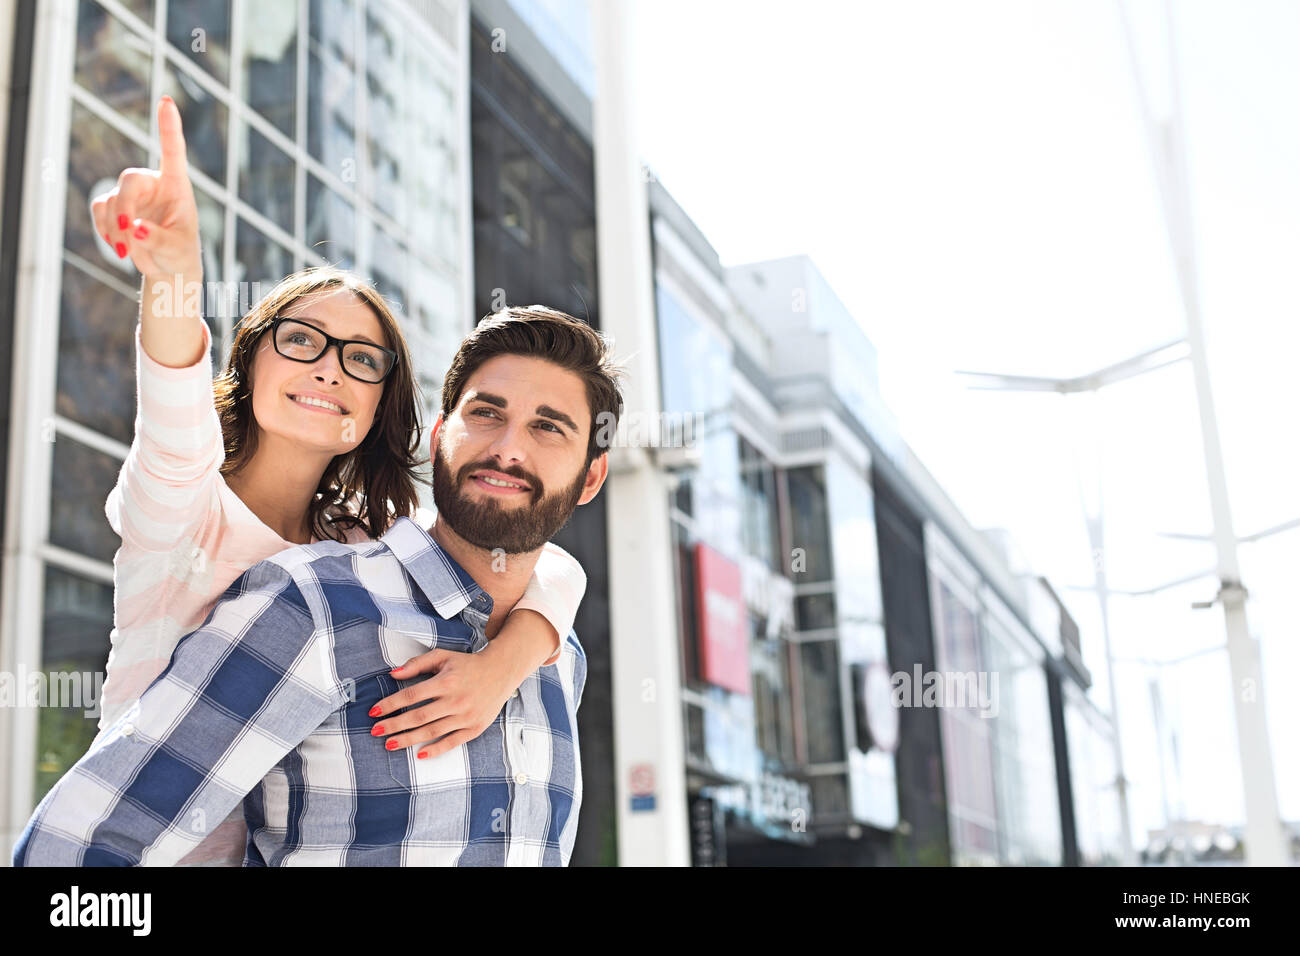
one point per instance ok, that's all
(534, 483)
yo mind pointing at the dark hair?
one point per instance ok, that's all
(379, 476)
(540, 332)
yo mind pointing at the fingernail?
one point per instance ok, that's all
(396, 669)
(141, 232)
(375, 711)
(422, 754)
(122, 221)
(392, 745)
(377, 731)
(108, 239)
(121, 250)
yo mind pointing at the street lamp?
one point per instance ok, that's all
(1265, 845)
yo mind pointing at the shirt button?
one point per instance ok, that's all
(128, 730)
(515, 692)
(521, 778)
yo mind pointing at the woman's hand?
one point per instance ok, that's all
(464, 698)
(150, 214)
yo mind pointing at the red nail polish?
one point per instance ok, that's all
(108, 239)
(122, 221)
(141, 232)
(374, 711)
(422, 754)
(392, 745)
(377, 731)
(121, 250)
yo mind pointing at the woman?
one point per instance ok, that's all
(310, 433)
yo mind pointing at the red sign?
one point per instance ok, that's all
(720, 609)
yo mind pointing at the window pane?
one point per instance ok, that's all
(430, 187)
(819, 662)
(205, 118)
(96, 377)
(81, 480)
(263, 260)
(200, 29)
(815, 611)
(331, 224)
(387, 264)
(331, 80)
(810, 523)
(78, 619)
(141, 8)
(269, 60)
(266, 178)
(113, 62)
(383, 41)
(96, 154)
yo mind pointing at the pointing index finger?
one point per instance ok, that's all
(172, 139)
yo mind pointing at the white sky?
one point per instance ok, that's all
(973, 181)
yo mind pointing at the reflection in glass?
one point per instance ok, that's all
(266, 178)
(331, 227)
(96, 374)
(82, 478)
(205, 119)
(200, 30)
(263, 262)
(269, 60)
(331, 85)
(75, 640)
(96, 154)
(113, 62)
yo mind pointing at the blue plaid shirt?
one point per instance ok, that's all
(268, 703)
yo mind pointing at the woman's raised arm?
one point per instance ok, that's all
(151, 216)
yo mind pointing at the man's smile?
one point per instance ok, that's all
(497, 483)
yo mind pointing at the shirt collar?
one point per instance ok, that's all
(445, 583)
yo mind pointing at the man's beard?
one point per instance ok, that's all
(488, 525)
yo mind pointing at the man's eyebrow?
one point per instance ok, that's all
(488, 397)
(546, 411)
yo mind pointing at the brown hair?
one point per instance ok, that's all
(379, 476)
(540, 332)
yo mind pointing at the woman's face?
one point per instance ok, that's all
(314, 404)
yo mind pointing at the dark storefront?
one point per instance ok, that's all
(535, 243)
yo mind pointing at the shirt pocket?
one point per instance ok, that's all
(376, 767)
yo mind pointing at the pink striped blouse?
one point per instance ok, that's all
(186, 537)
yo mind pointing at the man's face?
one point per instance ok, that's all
(508, 462)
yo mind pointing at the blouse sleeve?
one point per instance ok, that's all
(169, 479)
(555, 591)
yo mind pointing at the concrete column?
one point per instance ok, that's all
(648, 738)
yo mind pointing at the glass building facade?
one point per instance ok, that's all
(321, 132)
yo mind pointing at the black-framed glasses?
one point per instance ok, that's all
(304, 342)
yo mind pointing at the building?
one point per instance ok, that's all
(448, 149)
(333, 131)
(857, 577)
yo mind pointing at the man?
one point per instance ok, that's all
(270, 701)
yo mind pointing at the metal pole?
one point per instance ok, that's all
(1265, 843)
(1097, 541)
